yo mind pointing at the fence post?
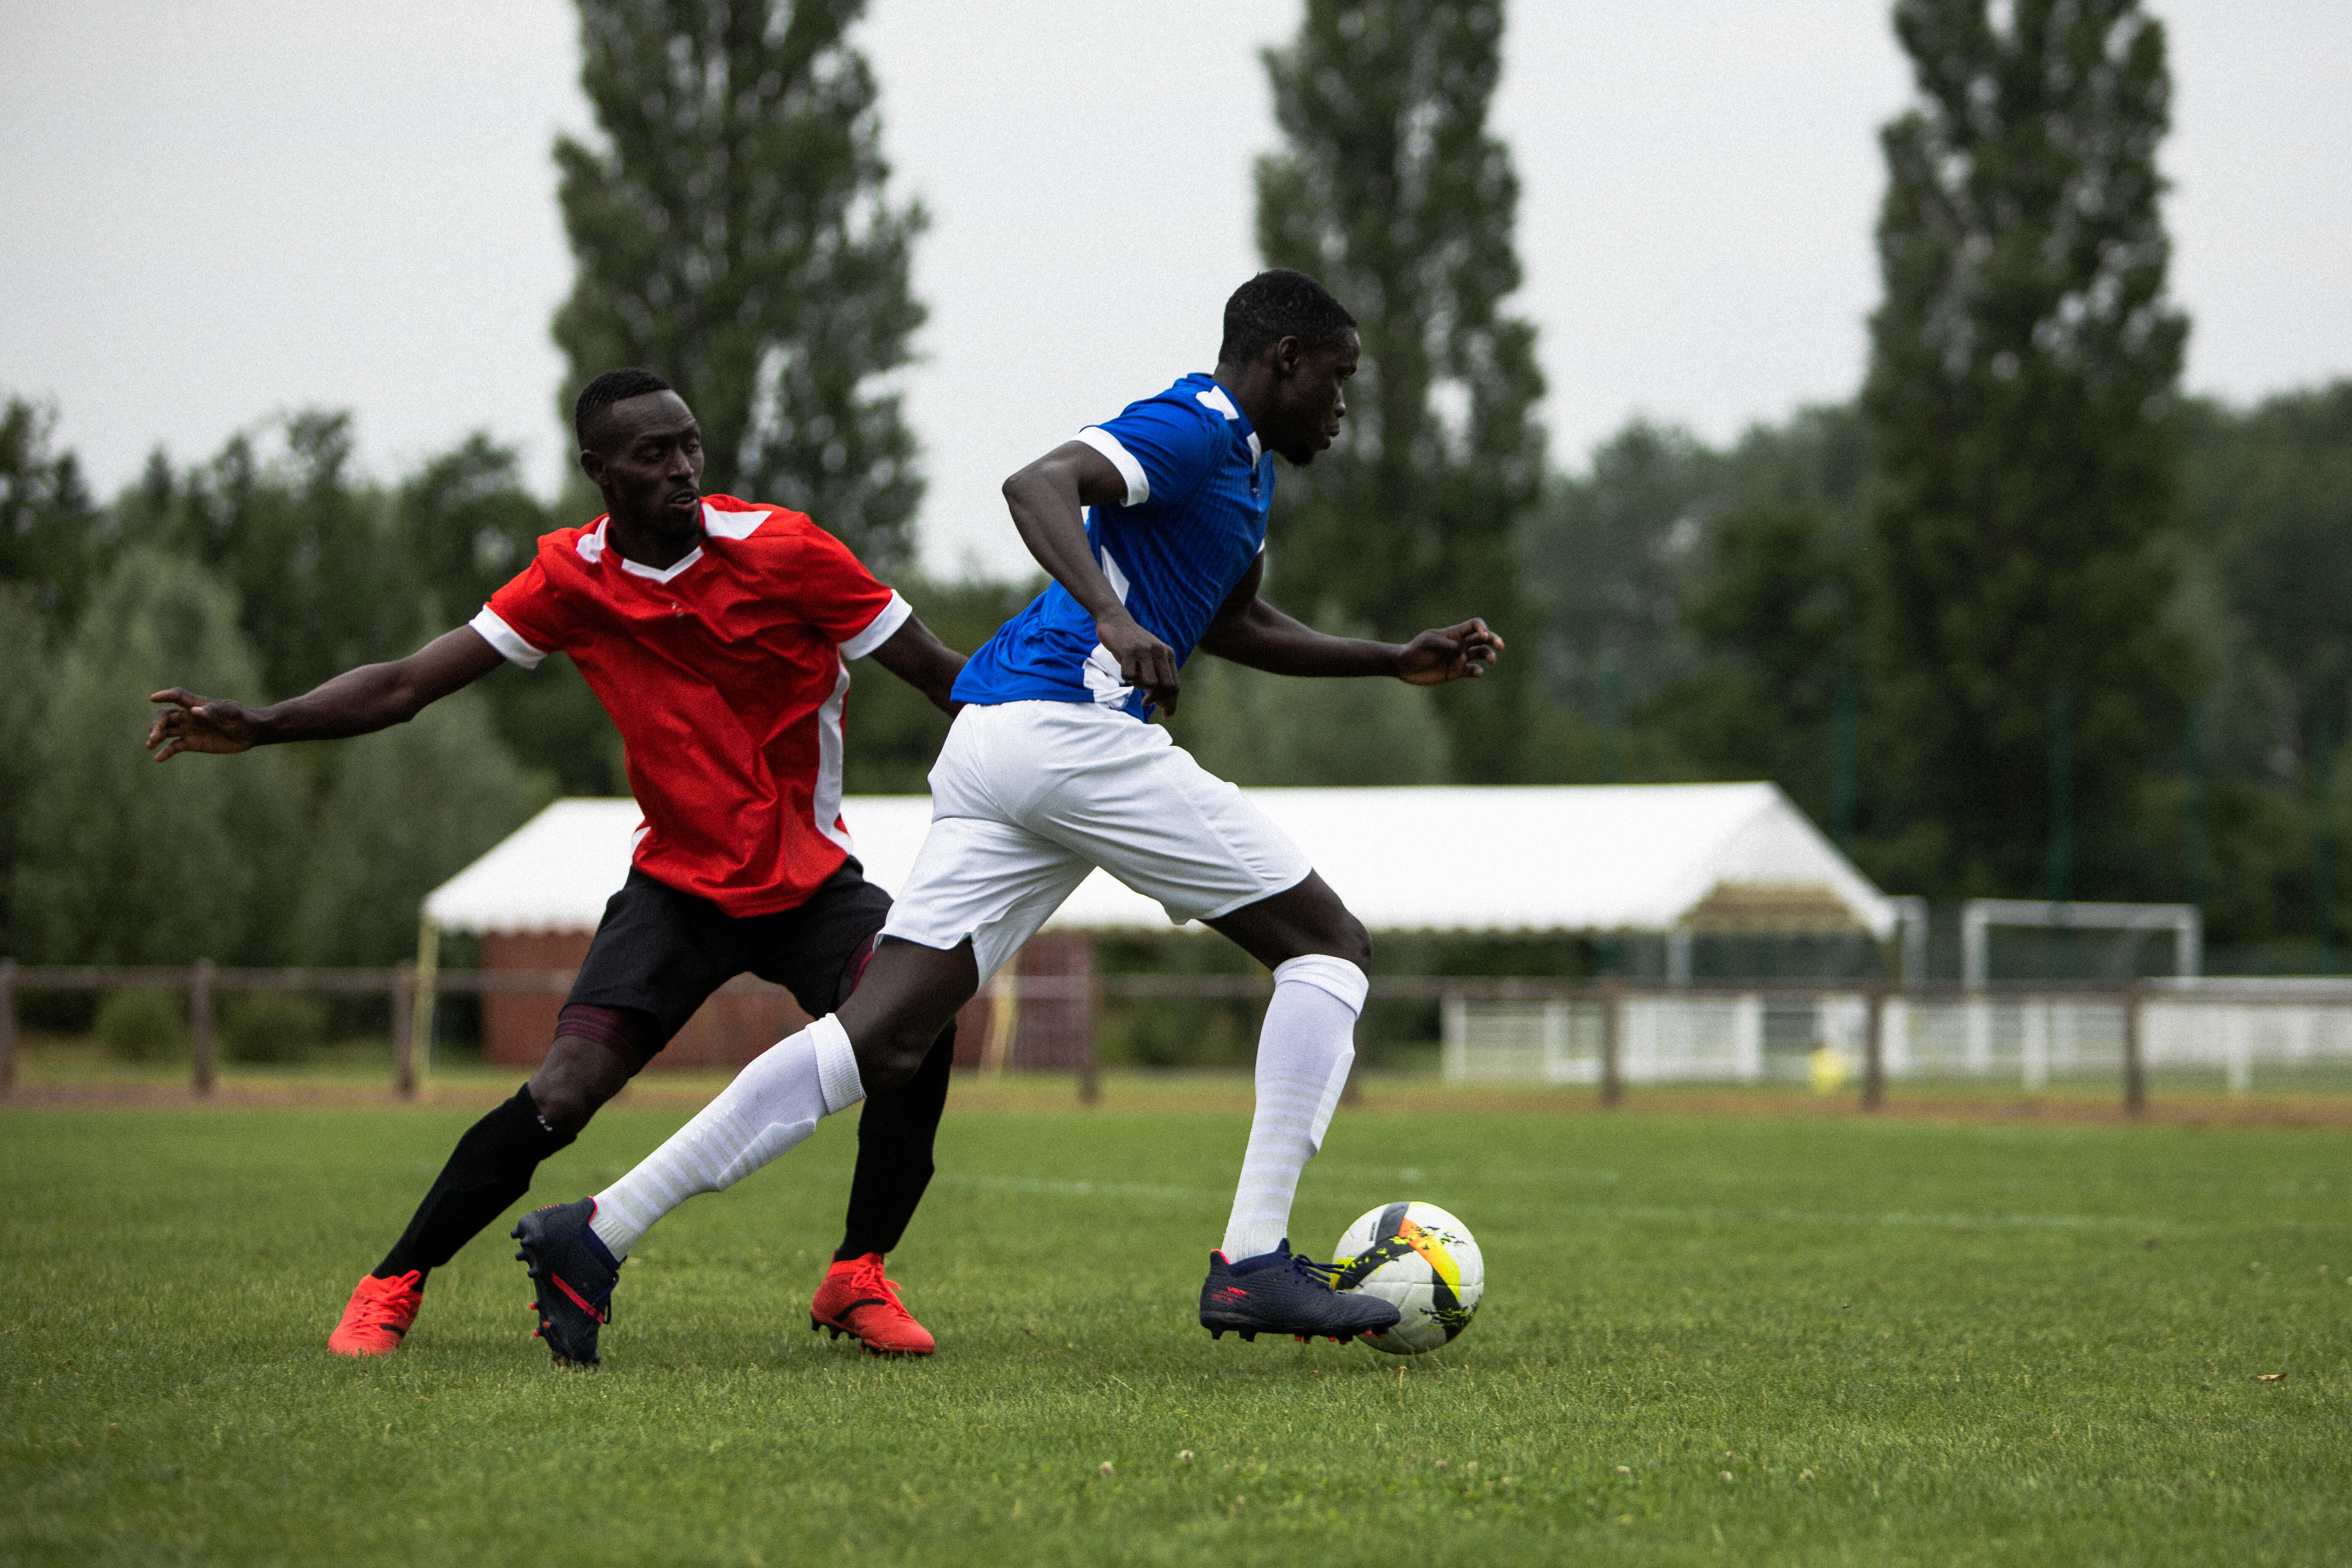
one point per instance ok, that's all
(1612, 1000)
(427, 993)
(404, 1032)
(200, 1023)
(7, 1026)
(1873, 1047)
(2135, 1072)
(1089, 1060)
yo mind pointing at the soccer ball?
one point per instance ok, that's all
(1422, 1258)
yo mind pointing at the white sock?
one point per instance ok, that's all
(772, 1104)
(1304, 1051)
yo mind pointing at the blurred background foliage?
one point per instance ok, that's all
(2019, 618)
(1691, 611)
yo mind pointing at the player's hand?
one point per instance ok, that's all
(1143, 660)
(1451, 653)
(199, 725)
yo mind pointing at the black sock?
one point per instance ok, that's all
(490, 1168)
(894, 1154)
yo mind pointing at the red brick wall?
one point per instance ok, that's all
(1057, 1033)
(519, 1025)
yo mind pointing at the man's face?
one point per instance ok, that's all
(645, 455)
(1313, 398)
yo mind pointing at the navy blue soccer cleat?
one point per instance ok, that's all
(574, 1275)
(1279, 1293)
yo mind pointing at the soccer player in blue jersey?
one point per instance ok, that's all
(1153, 527)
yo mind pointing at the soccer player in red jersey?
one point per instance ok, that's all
(717, 633)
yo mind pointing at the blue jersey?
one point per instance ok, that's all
(1198, 490)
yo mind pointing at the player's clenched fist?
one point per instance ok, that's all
(198, 724)
(1450, 653)
(1144, 661)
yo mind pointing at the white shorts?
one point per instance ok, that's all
(1027, 799)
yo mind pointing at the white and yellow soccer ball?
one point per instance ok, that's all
(1422, 1258)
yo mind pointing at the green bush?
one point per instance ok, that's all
(143, 1025)
(272, 1026)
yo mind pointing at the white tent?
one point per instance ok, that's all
(1612, 858)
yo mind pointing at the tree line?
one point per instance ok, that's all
(2017, 618)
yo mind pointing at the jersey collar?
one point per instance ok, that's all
(592, 544)
(1215, 397)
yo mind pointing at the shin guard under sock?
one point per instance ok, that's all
(894, 1154)
(490, 1168)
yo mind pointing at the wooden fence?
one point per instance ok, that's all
(410, 993)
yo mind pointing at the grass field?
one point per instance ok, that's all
(1705, 1339)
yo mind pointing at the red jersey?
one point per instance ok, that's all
(726, 675)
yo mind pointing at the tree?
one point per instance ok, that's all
(126, 862)
(1392, 192)
(24, 702)
(1774, 676)
(734, 237)
(50, 534)
(409, 807)
(1607, 560)
(2268, 498)
(1649, 608)
(1260, 730)
(310, 553)
(2020, 398)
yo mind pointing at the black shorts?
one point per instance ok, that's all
(663, 952)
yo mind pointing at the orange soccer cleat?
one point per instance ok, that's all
(855, 1300)
(378, 1315)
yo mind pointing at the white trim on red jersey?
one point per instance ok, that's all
(881, 628)
(728, 524)
(495, 631)
(825, 805)
(662, 573)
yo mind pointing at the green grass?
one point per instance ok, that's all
(1904, 1342)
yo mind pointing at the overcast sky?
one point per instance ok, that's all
(212, 213)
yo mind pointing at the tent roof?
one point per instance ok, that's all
(1637, 858)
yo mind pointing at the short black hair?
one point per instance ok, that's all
(1278, 304)
(613, 386)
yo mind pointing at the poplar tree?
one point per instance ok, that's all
(1391, 189)
(734, 237)
(2021, 402)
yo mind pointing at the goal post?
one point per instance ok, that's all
(1978, 916)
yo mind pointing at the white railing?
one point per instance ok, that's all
(2275, 1033)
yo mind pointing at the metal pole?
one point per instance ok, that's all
(200, 1023)
(2135, 1074)
(8, 1025)
(1873, 1047)
(1613, 999)
(403, 1034)
(2193, 766)
(2060, 866)
(2323, 842)
(1844, 730)
(1612, 721)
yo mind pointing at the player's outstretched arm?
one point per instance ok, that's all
(916, 656)
(1048, 500)
(1250, 631)
(356, 702)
